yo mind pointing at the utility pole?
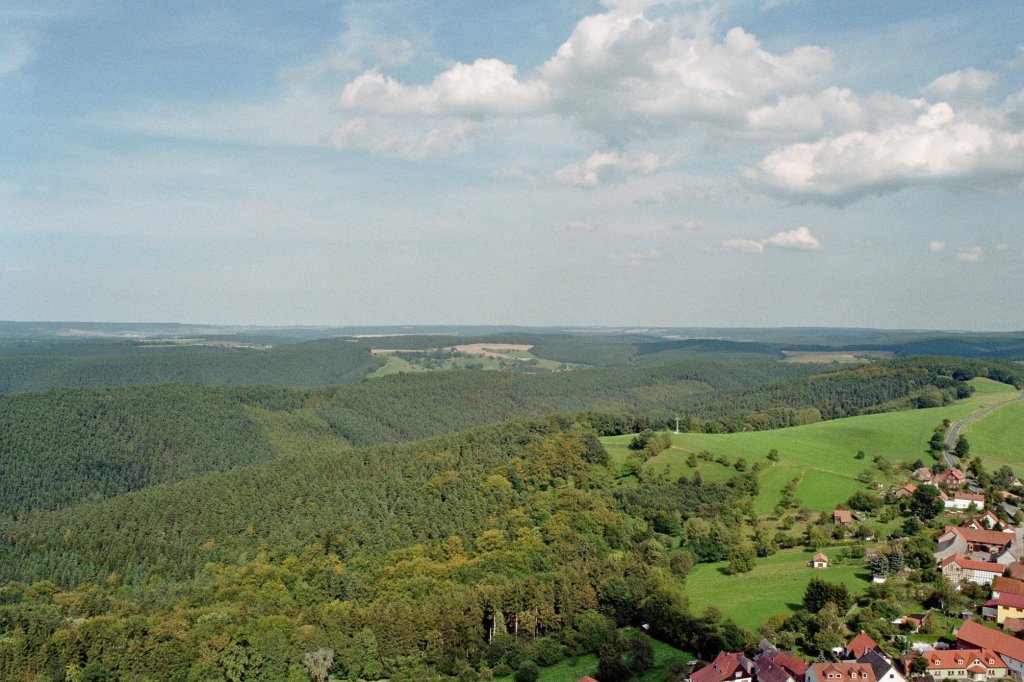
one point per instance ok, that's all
(677, 423)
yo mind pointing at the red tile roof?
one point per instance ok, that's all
(969, 565)
(847, 672)
(984, 537)
(861, 644)
(1016, 570)
(720, 669)
(842, 516)
(1007, 600)
(958, 659)
(791, 663)
(986, 638)
(1005, 585)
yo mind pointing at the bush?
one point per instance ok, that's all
(527, 672)
(548, 650)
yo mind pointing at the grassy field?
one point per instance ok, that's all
(512, 359)
(823, 455)
(776, 585)
(998, 437)
(572, 669)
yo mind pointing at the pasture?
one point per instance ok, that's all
(775, 585)
(998, 438)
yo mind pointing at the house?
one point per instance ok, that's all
(860, 645)
(1003, 585)
(960, 570)
(981, 545)
(819, 560)
(727, 667)
(924, 474)
(850, 671)
(964, 501)
(906, 491)
(1004, 606)
(965, 664)
(987, 521)
(1016, 570)
(972, 635)
(911, 622)
(796, 667)
(951, 478)
(767, 670)
(882, 666)
(842, 517)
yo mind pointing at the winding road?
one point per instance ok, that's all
(954, 429)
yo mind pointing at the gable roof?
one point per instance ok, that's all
(969, 565)
(847, 672)
(879, 665)
(842, 516)
(1005, 585)
(1007, 600)
(820, 556)
(768, 671)
(960, 659)
(986, 638)
(1016, 570)
(861, 644)
(969, 497)
(979, 536)
(791, 663)
(720, 669)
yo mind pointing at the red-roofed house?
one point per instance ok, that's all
(727, 667)
(987, 521)
(998, 547)
(972, 664)
(842, 517)
(850, 671)
(960, 570)
(1004, 606)
(796, 667)
(1004, 585)
(972, 635)
(965, 501)
(820, 560)
(924, 474)
(906, 491)
(953, 478)
(860, 645)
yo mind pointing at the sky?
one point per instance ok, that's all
(538, 162)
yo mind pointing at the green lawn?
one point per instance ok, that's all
(572, 669)
(823, 454)
(998, 438)
(776, 585)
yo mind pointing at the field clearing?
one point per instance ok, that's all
(775, 585)
(822, 453)
(999, 437)
(572, 669)
(476, 356)
(842, 357)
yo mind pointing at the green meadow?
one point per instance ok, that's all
(998, 437)
(823, 455)
(775, 585)
(572, 669)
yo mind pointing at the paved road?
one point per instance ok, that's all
(954, 429)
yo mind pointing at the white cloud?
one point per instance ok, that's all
(686, 226)
(799, 239)
(747, 245)
(485, 87)
(937, 246)
(16, 51)
(961, 83)
(603, 167)
(939, 145)
(972, 255)
(634, 259)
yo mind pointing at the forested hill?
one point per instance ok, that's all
(61, 447)
(36, 365)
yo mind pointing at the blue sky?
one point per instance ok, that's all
(551, 162)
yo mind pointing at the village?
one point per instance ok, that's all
(978, 552)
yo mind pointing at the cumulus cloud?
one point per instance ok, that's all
(961, 83)
(634, 259)
(972, 255)
(938, 145)
(622, 73)
(485, 87)
(604, 167)
(937, 246)
(799, 239)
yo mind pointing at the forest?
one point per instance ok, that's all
(440, 525)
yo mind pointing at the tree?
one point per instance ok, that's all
(919, 666)
(773, 455)
(926, 503)
(741, 558)
(820, 592)
(963, 448)
(528, 671)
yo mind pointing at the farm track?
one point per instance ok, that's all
(954, 429)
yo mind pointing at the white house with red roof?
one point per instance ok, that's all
(850, 671)
(727, 667)
(964, 664)
(964, 501)
(1004, 606)
(960, 570)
